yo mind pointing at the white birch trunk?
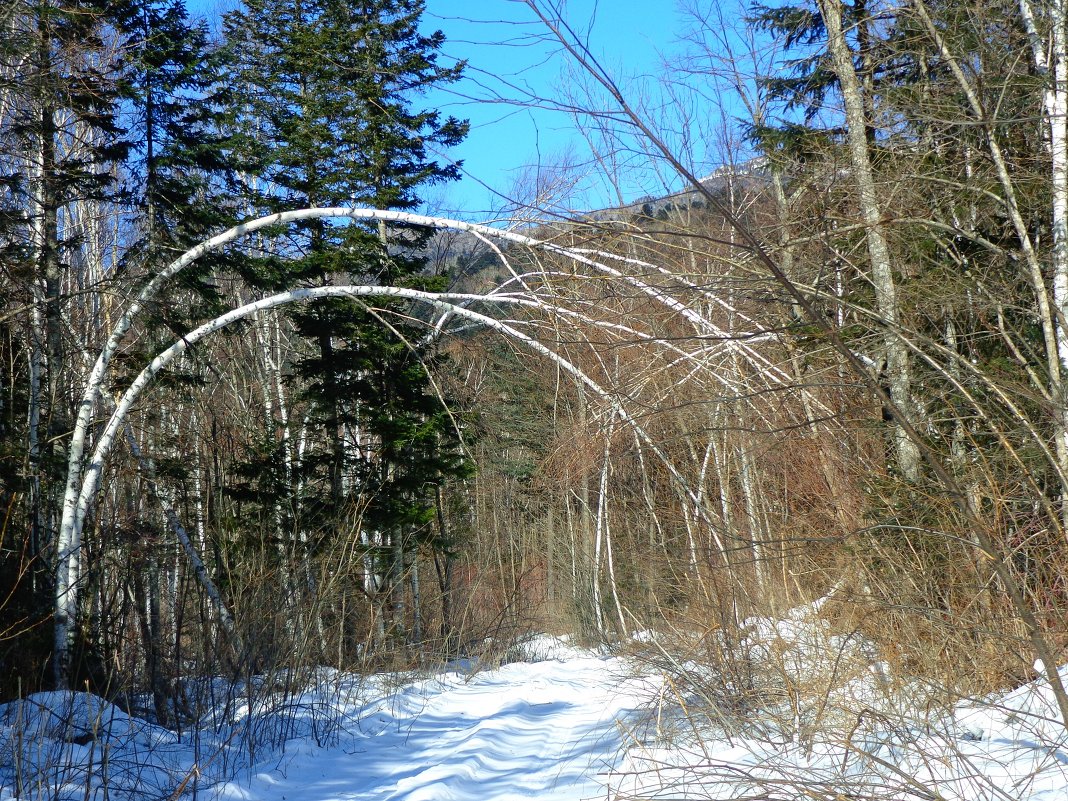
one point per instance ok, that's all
(752, 512)
(610, 560)
(1054, 66)
(80, 488)
(600, 525)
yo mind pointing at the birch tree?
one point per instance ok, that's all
(1049, 51)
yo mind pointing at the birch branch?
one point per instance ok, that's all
(200, 570)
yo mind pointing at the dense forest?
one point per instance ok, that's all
(261, 411)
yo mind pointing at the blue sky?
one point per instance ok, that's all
(519, 148)
(520, 151)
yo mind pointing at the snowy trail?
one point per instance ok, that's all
(543, 730)
(555, 727)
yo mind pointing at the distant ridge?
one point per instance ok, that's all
(718, 181)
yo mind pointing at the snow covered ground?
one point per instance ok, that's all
(547, 728)
(565, 724)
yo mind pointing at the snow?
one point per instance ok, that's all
(551, 726)
(526, 730)
(825, 719)
(557, 721)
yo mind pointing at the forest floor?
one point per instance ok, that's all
(560, 723)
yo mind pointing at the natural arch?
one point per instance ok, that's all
(84, 474)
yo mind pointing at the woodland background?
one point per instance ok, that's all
(834, 367)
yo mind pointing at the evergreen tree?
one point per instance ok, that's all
(181, 168)
(326, 91)
(62, 144)
(180, 158)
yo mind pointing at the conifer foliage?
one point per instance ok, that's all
(326, 95)
(128, 136)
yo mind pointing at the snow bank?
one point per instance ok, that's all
(548, 726)
(832, 722)
(71, 745)
(823, 720)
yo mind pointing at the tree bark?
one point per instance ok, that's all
(1054, 66)
(898, 369)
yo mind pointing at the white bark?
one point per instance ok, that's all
(1054, 66)
(222, 612)
(752, 512)
(600, 526)
(612, 583)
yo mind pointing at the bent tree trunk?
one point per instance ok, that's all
(80, 488)
(67, 601)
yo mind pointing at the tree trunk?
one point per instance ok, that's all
(416, 638)
(898, 370)
(1054, 67)
(444, 569)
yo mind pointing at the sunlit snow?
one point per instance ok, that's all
(560, 723)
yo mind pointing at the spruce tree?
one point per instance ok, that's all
(180, 159)
(326, 92)
(181, 167)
